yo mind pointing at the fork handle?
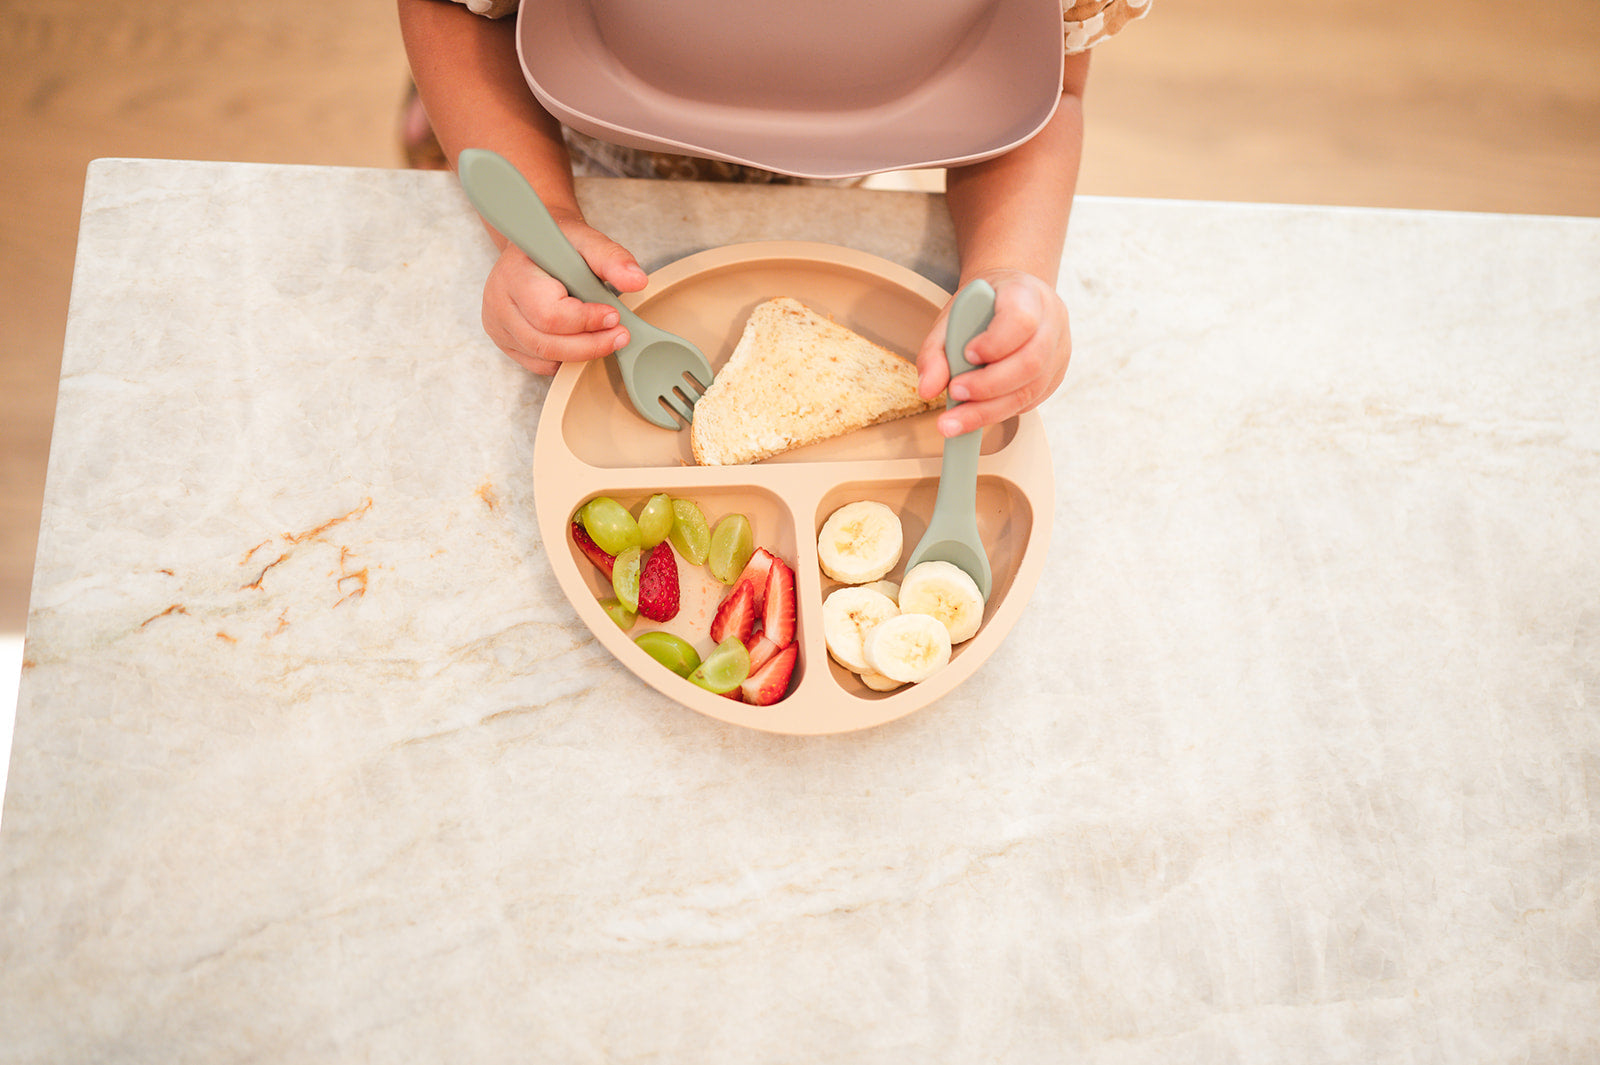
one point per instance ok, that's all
(506, 201)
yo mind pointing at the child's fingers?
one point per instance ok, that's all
(1018, 359)
(933, 369)
(543, 350)
(610, 261)
(975, 415)
(1000, 390)
(994, 391)
(1011, 374)
(530, 316)
(546, 305)
(623, 274)
(570, 316)
(988, 394)
(1018, 313)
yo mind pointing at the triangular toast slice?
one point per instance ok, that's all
(796, 378)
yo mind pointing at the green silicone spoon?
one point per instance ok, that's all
(952, 534)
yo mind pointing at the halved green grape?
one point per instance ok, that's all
(674, 652)
(619, 613)
(690, 534)
(610, 525)
(732, 544)
(724, 669)
(625, 577)
(655, 520)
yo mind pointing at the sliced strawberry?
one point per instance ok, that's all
(586, 544)
(658, 584)
(761, 651)
(737, 614)
(767, 685)
(755, 571)
(777, 621)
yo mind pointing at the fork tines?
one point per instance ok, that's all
(679, 403)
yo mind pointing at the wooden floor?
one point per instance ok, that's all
(1476, 105)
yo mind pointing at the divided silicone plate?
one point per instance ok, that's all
(591, 442)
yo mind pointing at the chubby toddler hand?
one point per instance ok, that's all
(1019, 359)
(531, 317)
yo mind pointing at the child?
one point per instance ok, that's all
(1009, 211)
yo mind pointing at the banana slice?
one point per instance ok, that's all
(888, 588)
(908, 647)
(947, 593)
(860, 542)
(880, 683)
(848, 614)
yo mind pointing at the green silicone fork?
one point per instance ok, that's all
(952, 534)
(663, 373)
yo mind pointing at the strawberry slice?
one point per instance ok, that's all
(761, 651)
(586, 544)
(770, 683)
(658, 584)
(737, 614)
(777, 621)
(755, 571)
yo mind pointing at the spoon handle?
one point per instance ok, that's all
(506, 201)
(970, 315)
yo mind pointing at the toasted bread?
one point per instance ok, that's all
(796, 378)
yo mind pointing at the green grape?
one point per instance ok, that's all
(690, 535)
(732, 544)
(724, 668)
(674, 652)
(655, 520)
(619, 613)
(610, 525)
(625, 577)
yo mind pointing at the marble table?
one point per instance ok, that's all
(1294, 758)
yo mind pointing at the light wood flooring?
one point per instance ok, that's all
(1476, 105)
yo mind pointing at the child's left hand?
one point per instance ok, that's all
(1019, 359)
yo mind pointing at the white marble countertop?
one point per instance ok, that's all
(1294, 758)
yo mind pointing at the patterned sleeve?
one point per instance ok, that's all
(1085, 23)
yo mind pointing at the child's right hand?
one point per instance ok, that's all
(530, 316)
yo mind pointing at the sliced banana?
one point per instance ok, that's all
(860, 542)
(880, 683)
(908, 647)
(888, 588)
(848, 614)
(946, 592)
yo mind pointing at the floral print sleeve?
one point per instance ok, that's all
(1085, 23)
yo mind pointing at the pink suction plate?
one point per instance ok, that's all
(591, 442)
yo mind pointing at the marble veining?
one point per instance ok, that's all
(1295, 758)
